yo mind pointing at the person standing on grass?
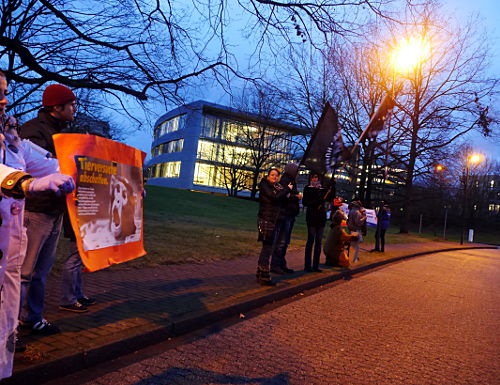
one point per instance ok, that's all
(19, 161)
(290, 208)
(315, 197)
(271, 193)
(356, 221)
(43, 215)
(383, 222)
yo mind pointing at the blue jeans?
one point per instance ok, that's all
(278, 260)
(314, 236)
(72, 277)
(43, 234)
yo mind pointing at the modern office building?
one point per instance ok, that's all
(209, 147)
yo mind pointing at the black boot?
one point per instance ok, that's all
(264, 278)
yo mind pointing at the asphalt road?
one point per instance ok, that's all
(428, 320)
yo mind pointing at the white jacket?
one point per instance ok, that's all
(15, 155)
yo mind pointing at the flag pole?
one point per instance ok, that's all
(356, 145)
(376, 116)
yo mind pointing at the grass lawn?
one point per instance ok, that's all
(185, 226)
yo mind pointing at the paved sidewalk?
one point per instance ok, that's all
(137, 308)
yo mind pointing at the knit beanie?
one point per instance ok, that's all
(57, 94)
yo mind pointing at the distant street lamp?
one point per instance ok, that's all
(440, 168)
(471, 159)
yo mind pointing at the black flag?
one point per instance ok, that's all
(326, 148)
(379, 118)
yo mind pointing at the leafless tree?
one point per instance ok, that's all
(232, 170)
(444, 98)
(151, 49)
(267, 139)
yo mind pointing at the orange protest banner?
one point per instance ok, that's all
(106, 209)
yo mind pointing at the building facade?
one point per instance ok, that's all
(208, 147)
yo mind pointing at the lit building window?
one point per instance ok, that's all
(169, 126)
(492, 184)
(224, 153)
(492, 208)
(165, 148)
(166, 170)
(219, 175)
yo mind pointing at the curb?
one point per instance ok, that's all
(80, 360)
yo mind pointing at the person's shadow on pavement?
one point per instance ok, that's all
(196, 376)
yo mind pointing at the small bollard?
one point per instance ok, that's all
(471, 236)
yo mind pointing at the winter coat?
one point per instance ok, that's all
(335, 243)
(314, 200)
(39, 131)
(384, 218)
(17, 157)
(356, 219)
(270, 198)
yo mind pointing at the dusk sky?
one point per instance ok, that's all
(489, 16)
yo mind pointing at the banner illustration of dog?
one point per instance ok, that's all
(106, 210)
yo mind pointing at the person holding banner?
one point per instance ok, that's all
(20, 161)
(356, 221)
(43, 216)
(271, 193)
(336, 242)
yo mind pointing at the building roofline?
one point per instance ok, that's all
(232, 113)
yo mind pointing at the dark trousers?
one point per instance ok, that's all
(268, 247)
(314, 237)
(278, 260)
(380, 239)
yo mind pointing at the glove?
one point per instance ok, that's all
(58, 183)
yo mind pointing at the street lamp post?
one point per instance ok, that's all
(439, 168)
(406, 58)
(471, 159)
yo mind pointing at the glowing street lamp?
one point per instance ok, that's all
(471, 159)
(407, 57)
(410, 53)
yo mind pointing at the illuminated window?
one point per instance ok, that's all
(166, 170)
(204, 174)
(220, 176)
(492, 184)
(164, 148)
(170, 125)
(492, 208)
(224, 153)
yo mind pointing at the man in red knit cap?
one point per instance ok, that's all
(43, 214)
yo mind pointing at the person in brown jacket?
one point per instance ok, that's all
(336, 241)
